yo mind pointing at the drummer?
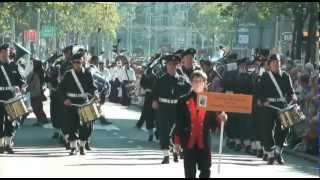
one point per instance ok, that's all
(77, 89)
(10, 82)
(267, 93)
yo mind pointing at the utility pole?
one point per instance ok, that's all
(276, 34)
(149, 31)
(13, 37)
(38, 29)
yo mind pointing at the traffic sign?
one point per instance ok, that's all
(47, 31)
(30, 35)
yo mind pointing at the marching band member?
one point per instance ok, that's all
(273, 83)
(76, 86)
(11, 81)
(165, 94)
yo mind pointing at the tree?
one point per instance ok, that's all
(78, 17)
(208, 20)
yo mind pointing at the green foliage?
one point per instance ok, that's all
(78, 17)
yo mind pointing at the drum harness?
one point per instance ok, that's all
(10, 87)
(81, 90)
(280, 94)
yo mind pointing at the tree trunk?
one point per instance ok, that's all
(299, 31)
(294, 37)
(312, 34)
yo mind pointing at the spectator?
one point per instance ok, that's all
(35, 87)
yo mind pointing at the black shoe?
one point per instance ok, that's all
(104, 121)
(175, 157)
(260, 153)
(82, 151)
(138, 127)
(156, 135)
(61, 140)
(55, 135)
(231, 145)
(37, 124)
(181, 155)
(43, 122)
(1, 150)
(150, 139)
(279, 159)
(271, 161)
(9, 150)
(87, 147)
(67, 145)
(165, 160)
(238, 147)
(254, 152)
(248, 150)
(265, 157)
(73, 152)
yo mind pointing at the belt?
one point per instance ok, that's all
(276, 100)
(71, 95)
(7, 88)
(168, 101)
(148, 90)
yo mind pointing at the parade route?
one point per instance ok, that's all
(120, 150)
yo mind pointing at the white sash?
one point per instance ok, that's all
(77, 81)
(6, 76)
(276, 85)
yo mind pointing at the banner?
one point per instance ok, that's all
(235, 103)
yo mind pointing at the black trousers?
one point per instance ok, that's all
(37, 107)
(245, 126)
(233, 126)
(76, 130)
(126, 99)
(273, 135)
(114, 91)
(197, 157)
(147, 114)
(7, 128)
(257, 125)
(165, 117)
(58, 112)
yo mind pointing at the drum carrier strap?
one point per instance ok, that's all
(277, 87)
(77, 82)
(6, 76)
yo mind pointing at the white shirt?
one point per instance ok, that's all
(116, 72)
(128, 75)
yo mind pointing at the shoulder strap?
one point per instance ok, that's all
(276, 84)
(127, 74)
(77, 81)
(6, 76)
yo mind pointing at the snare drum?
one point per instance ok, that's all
(291, 116)
(89, 112)
(16, 108)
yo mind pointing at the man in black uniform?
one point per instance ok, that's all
(165, 96)
(273, 135)
(57, 110)
(147, 115)
(77, 86)
(10, 82)
(187, 62)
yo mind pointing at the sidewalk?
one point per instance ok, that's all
(305, 156)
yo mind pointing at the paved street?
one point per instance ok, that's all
(120, 150)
